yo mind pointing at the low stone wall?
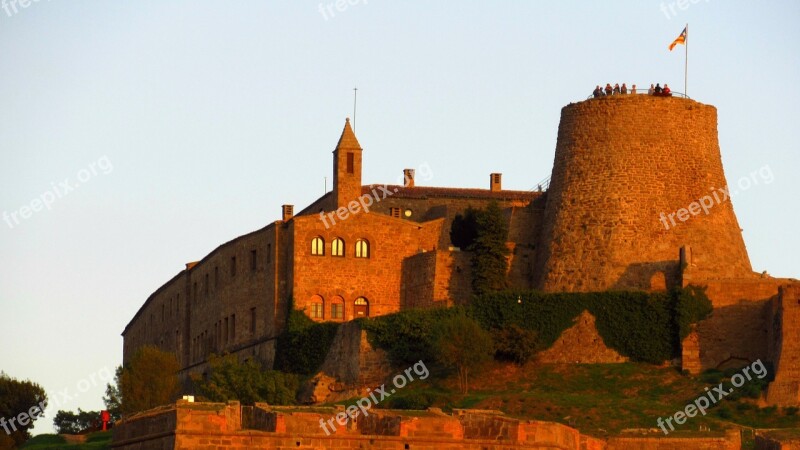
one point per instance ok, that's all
(727, 441)
(216, 426)
(774, 441)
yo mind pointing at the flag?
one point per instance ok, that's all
(679, 40)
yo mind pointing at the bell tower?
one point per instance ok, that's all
(347, 167)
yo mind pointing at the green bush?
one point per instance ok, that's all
(303, 345)
(248, 382)
(514, 343)
(408, 336)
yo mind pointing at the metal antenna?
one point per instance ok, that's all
(325, 189)
(355, 100)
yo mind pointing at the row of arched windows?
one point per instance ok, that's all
(334, 309)
(338, 247)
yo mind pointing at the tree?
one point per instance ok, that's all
(463, 345)
(21, 403)
(248, 382)
(464, 228)
(489, 251)
(113, 397)
(150, 379)
(514, 343)
(68, 422)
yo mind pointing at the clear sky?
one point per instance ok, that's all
(155, 131)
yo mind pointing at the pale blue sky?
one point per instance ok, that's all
(201, 118)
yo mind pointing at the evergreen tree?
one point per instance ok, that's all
(489, 251)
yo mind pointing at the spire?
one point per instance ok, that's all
(348, 139)
(347, 167)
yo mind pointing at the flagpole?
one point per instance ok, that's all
(686, 63)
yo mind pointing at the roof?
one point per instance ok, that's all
(348, 138)
(421, 192)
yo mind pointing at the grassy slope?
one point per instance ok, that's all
(95, 441)
(598, 399)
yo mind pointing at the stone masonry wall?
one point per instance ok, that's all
(343, 279)
(738, 330)
(619, 163)
(785, 348)
(215, 426)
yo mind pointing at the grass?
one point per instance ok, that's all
(598, 399)
(94, 441)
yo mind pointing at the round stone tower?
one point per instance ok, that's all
(627, 175)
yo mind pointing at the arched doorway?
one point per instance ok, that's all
(361, 308)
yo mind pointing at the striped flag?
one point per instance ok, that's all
(679, 40)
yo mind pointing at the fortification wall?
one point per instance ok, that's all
(621, 162)
(785, 348)
(440, 278)
(215, 426)
(737, 333)
(161, 321)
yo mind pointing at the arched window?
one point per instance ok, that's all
(362, 248)
(317, 307)
(337, 308)
(337, 247)
(361, 308)
(318, 246)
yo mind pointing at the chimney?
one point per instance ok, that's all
(408, 177)
(495, 182)
(288, 212)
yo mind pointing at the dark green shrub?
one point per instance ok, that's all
(303, 345)
(408, 336)
(514, 343)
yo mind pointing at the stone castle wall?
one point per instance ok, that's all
(620, 163)
(227, 302)
(785, 348)
(215, 426)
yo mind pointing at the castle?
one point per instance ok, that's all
(369, 250)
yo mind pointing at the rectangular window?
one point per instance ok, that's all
(316, 311)
(163, 313)
(233, 328)
(269, 253)
(252, 321)
(350, 161)
(194, 290)
(253, 260)
(337, 311)
(205, 288)
(225, 332)
(233, 266)
(216, 277)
